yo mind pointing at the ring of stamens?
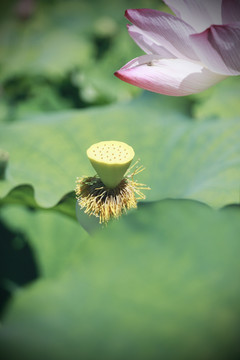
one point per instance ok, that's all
(104, 203)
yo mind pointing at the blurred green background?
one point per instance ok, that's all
(162, 282)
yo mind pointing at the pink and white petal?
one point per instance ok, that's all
(200, 14)
(218, 48)
(147, 44)
(230, 11)
(175, 77)
(164, 30)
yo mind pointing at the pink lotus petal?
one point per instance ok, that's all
(200, 14)
(164, 30)
(230, 11)
(146, 44)
(219, 48)
(176, 77)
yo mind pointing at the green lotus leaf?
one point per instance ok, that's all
(183, 159)
(159, 283)
(54, 238)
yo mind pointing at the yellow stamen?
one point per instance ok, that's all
(105, 203)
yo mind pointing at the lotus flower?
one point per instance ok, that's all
(186, 53)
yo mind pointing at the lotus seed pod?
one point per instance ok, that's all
(110, 159)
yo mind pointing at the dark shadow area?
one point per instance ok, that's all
(17, 264)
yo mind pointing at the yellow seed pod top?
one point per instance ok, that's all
(111, 160)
